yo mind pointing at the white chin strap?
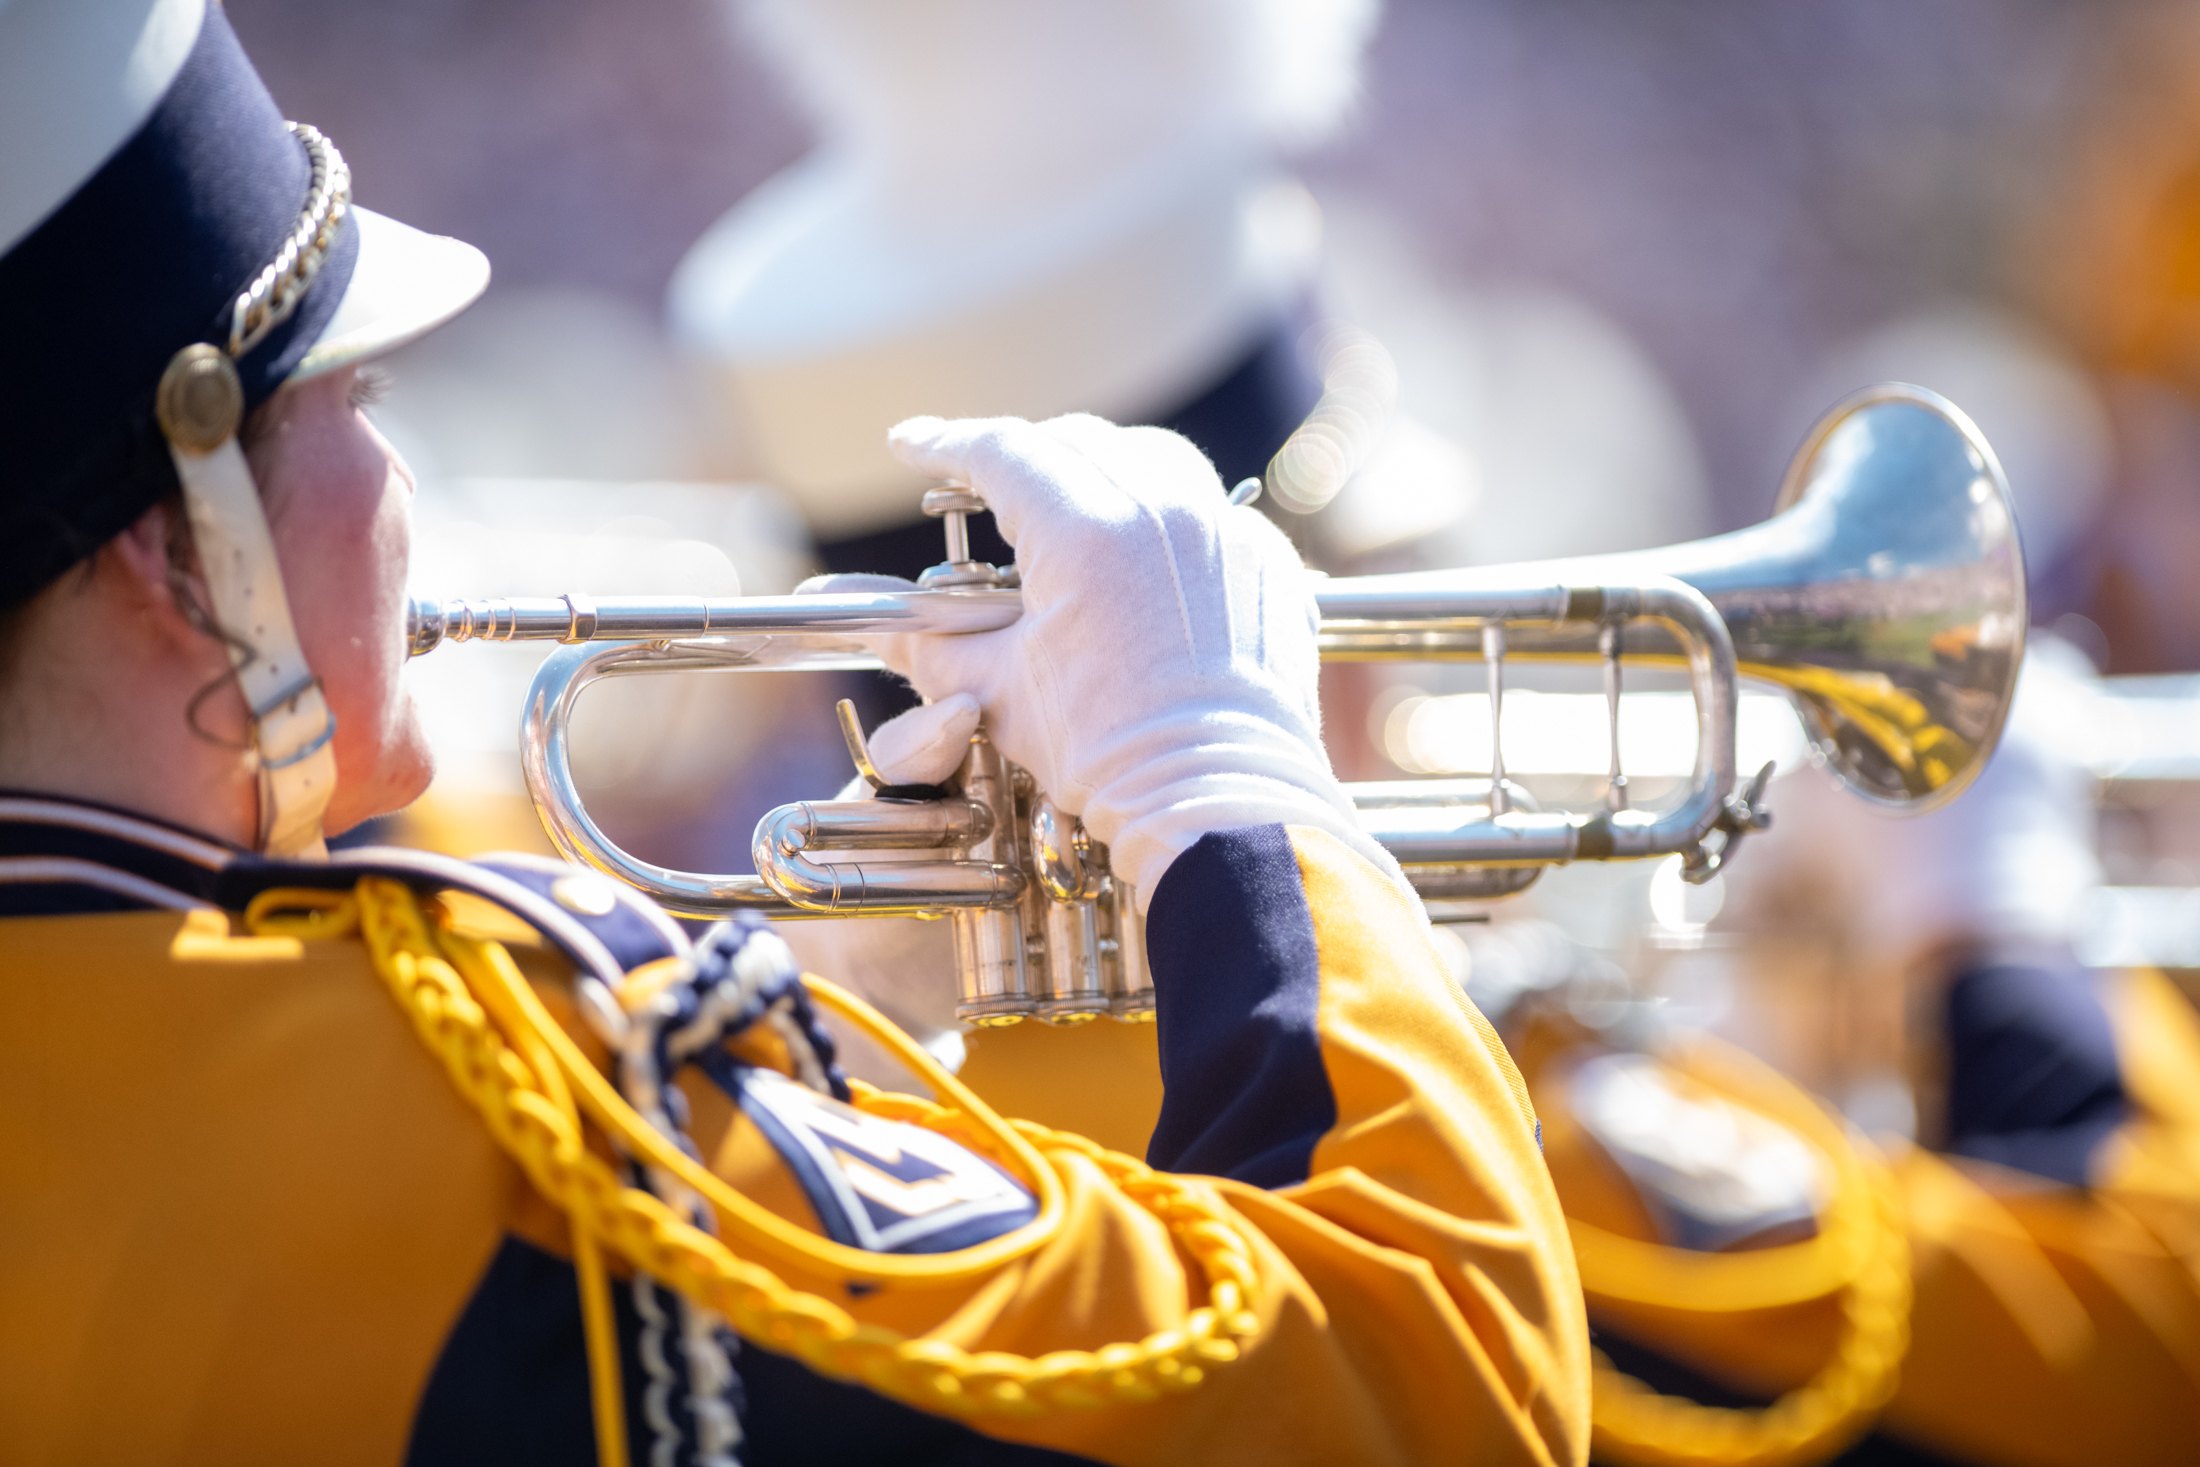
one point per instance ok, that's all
(201, 405)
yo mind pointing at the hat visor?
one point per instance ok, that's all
(405, 284)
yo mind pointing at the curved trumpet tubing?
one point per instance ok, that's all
(791, 883)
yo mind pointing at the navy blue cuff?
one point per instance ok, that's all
(2033, 1079)
(1237, 986)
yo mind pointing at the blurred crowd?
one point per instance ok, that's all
(1467, 282)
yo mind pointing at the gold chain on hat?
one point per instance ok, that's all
(268, 301)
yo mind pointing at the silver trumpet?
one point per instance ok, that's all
(1886, 595)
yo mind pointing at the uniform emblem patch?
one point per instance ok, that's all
(879, 1185)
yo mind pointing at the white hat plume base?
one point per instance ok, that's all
(822, 343)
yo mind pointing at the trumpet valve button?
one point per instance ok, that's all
(952, 499)
(962, 574)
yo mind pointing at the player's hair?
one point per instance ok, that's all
(158, 478)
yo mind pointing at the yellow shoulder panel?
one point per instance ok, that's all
(244, 1207)
(1415, 1298)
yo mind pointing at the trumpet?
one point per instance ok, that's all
(1885, 596)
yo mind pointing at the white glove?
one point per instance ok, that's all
(1162, 681)
(924, 745)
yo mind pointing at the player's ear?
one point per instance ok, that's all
(152, 568)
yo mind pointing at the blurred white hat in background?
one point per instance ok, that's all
(1531, 423)
(1013, 208)
(2036, 406)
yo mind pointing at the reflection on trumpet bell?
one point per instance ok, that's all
(1886, 596)
(1925, 756)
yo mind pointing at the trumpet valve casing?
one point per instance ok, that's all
(994, 985)
(1072, 948)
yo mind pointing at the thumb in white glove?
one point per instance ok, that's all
(925, 744)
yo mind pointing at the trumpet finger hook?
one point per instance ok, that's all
(859, 750)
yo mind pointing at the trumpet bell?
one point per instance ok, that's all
(1886, 594)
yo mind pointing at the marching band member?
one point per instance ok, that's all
(2023, 1292)
(1793, 1294)
(383, 1157)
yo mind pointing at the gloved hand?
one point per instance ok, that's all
(1162, 681)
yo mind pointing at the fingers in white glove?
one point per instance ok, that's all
(925, 745)
(1152, 464)
(1076, 467)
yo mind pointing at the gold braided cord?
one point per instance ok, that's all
(1863, 1251)
(460, 993)
(329, 914)
(757, 1229)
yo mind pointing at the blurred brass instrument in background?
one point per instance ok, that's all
(1886, 595)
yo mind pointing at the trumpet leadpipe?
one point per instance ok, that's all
(578, 618)
(1354, 616)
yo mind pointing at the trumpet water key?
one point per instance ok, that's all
(1886, 595)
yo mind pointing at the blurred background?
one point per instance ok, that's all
(1471, 280)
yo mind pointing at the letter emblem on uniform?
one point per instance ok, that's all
(879, 1185)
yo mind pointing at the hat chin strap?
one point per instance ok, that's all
(293, 730)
